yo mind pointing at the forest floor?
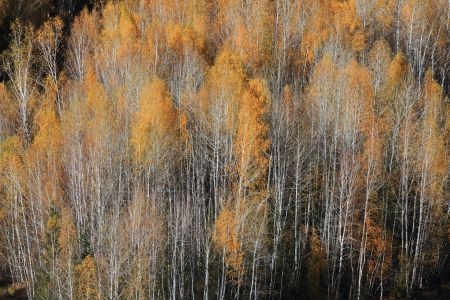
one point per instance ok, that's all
(443, 293)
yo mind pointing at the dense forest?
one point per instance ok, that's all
(220, 149)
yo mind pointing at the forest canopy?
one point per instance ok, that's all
(181, 149)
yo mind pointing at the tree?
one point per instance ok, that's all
(17, 62)
(49, 38)
(86, 279)
(315, 266)
(154, 131)
(432, 171)
(252, 142)
(224, 149)
(348, 25)
(379, 60)
(145, 233)
(80, 44)
(252, 164)
(226, 238)
(216, 110)
(47, 285)
(47, 139)
(8, 113)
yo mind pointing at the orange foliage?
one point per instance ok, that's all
(252, 141)
(120, 30)
(435, 155)
(86, 279)
(11, 168)
(183, 37)
(228, 72)
(348, 24)
(48, 136)
(379, 60)
(336, 19)
(226, 239)
(385, 13)
(154, 128)
(317, 30)
(360, 95)
(44, 152)
(49, 37)
(11, 155)
(378, 245)
(68, 235)
(251, 35)
(97, 112)
(83, 38)
(8, 109)
(221, 93)
(398, 70)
